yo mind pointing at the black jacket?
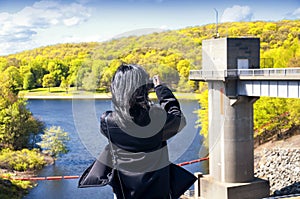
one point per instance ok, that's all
(144, 170)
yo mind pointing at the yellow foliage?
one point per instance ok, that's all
(203, 116)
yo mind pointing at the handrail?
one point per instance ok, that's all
(207, 74)
(263, 72)
(235, 73)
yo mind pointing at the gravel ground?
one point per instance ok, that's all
(279, 162)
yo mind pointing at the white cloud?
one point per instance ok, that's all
(138, 32)
(237, 13)
(8, 47)
(44, 4)
(76, 39)
(296, 13)
(28, 22)
(293, 15)
(155, 1)
(71, 21)
(164, 27)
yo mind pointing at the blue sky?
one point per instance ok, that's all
(27, 24)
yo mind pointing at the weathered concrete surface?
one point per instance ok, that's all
(255, 189)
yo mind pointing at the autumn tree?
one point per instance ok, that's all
(3, 64)
(203, 114)
(273, 113)
(108, 73)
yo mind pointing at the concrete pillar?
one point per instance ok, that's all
(231, 158)
(238, 140)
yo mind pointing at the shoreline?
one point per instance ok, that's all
(102, 96)
(67, 97)
(12, 188)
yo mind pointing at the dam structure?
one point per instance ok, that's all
(231, 67)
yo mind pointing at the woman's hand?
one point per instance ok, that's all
(156, 80)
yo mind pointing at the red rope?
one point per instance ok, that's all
(193, 161)
(41, 178)
(76, 177)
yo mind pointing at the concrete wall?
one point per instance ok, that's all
(214, 54)
(243, 48)
(223, 53)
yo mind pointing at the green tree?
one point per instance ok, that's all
(37, 70)
(97, 68)
(272, 116)
(89, 82)
(108, 73)
(54, 141)
(58, 69)
(28, 81)
(75, 65)
(270, 113)
(294, 111)
(14, 77)
(18, 128)
(65, 84)
(48, 81)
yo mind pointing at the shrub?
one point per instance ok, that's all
(54, 141)
(23, 160)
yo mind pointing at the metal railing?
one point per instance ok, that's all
(236, 73)
(263, 72)
(203, 74)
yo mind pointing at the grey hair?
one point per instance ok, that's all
(130, 95)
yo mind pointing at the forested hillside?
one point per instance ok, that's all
(171, 54)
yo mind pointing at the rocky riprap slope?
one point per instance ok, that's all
(281, 166)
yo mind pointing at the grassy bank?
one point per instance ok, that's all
(59, 93)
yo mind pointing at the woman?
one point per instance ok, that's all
(138, 131)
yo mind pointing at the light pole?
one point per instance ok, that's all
(217, 20)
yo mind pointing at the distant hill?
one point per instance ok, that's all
(169, 53)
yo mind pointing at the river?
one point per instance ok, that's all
(80, 119)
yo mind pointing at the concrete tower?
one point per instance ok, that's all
(231, 158)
